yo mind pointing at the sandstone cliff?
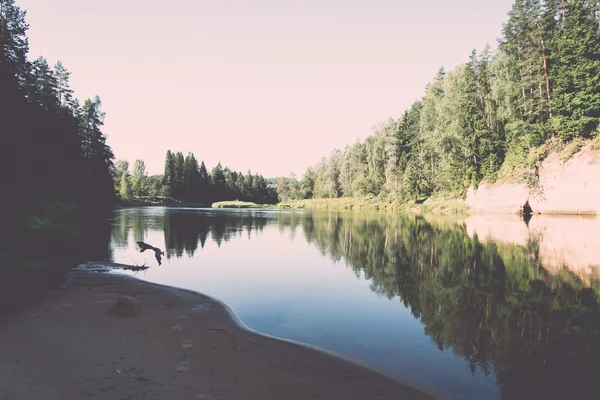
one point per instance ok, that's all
(564, 187)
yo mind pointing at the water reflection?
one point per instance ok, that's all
(184, 229)
(492, 290)
(563, 245)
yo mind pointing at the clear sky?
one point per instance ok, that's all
(266, 85)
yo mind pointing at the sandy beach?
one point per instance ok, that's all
(176, 344)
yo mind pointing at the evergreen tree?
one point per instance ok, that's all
(64, 92)
(248, 185)
(45, 87)
(169, 175)
(217, 178)
(99, 156)
(576, 72)
(68, 159)
(14, 46)
(203, 182)
(178, 182)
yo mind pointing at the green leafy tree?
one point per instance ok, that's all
(125, 190)
(139, 178)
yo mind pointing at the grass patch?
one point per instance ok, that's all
(520, 164)
(450, 206)
(56, 216)
(342, 203)
(240, 204)
(434, 206)
(142, 201)
(571, 149)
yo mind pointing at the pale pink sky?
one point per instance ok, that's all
(266, 85)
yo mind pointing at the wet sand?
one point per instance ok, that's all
(183, 345)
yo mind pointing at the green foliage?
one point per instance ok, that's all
(139, 179)
(576, 72)
(240, 204)
(522, 163)
(186, 180)
(344, 203)
(125, 190)
(571, 149)
(52, 150)
(56, 216)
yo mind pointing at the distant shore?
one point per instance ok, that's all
(175, 344)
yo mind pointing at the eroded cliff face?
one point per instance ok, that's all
(564, 187)
(558, 243)
(498, 198)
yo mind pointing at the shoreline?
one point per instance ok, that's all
(184, 344)
(452, 207)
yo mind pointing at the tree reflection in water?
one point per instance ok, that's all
(493, 304)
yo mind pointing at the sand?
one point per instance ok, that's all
(160, 342)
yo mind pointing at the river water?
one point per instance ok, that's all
(483, 307)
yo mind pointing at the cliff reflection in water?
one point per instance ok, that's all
(562, 245)
(493, 291)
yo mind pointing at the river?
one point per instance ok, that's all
(481, 307)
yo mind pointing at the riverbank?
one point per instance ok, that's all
(436, 206)
(181, 345)
(142, 201)
(241, 204)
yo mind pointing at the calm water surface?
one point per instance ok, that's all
(483, 308)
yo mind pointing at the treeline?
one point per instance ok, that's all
(186, 179)
(486, 119)
(54, 159)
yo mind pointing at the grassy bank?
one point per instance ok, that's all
(439, 206)
(141, 201)
(42, 245)
(240, 204)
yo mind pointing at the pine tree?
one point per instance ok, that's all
(14, 46)
(44, 93)
(99, 156)
(526, 39)
(178, 183)
(203, 182)
(576, 72)
(169, 174)
(64, 92)
(248, 185)
(217, 178)
(191, 176)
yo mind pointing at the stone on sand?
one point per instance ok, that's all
(126, 306)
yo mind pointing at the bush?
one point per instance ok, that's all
(571, 149)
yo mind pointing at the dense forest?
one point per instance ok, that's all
(55, 165)
(494, 117)
(185, 179)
